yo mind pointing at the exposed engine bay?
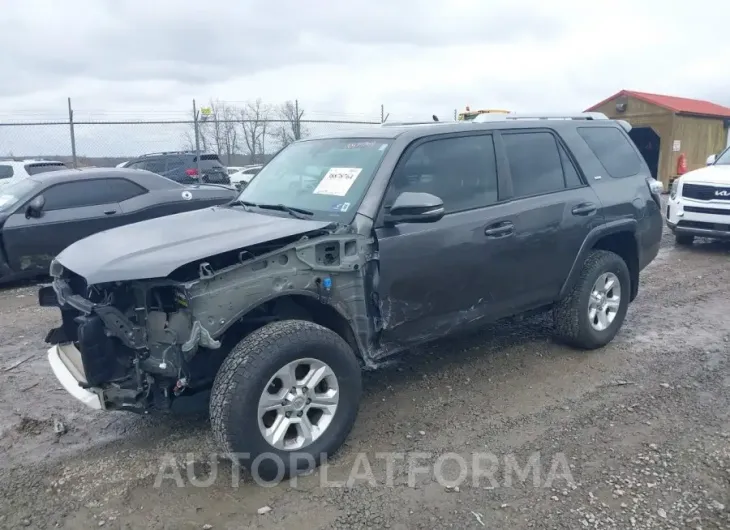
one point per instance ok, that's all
(144, 342)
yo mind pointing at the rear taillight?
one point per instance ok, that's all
(192, 172)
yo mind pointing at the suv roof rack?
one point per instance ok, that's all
(549, 116)
(541, 116)
(170, 153)
(487, 117)
(412, 123)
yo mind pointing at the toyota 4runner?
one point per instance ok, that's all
(343, 251)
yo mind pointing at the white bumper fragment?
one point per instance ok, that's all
(65, 361)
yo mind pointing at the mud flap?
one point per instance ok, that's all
(56, 336)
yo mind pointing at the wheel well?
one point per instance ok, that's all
(623, 244)
(298, 307)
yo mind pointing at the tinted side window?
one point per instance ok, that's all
(90, 193)
(572, 179)
(156, 166)
(534, 162)
(612, 149)
(6, 172)
(209, 161)
(176, 163)
(461, 171)
(122, 189)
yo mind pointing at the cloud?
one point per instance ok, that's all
(136, 59)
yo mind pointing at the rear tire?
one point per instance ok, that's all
(574, 324)
(250, 376)
(684, 239)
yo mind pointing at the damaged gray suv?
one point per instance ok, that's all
(346, 250)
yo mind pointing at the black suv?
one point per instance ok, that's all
(343, 251)
(183, 167)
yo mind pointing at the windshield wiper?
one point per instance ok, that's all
(239, 202)
(299, 213)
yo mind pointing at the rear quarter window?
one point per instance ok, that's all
(613, 150)
(210, 161)
(35, 169)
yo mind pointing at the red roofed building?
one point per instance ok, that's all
(666, 126)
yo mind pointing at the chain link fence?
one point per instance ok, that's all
(240, 134)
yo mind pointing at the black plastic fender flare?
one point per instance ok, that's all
(607, 229)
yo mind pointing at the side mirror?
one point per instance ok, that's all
(411, 207)
(711, 159)
(35, 207)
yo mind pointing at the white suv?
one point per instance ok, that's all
(699, 202)
(12, 171)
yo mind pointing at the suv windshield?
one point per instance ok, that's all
(325, 177)
(14, 193)
(724, 158)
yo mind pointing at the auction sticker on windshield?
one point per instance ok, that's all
(337, 181)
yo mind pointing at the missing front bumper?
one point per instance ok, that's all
(65, 361)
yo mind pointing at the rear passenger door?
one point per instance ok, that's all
(553, 209)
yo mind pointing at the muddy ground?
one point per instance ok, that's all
(637, 435)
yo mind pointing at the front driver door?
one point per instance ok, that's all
(438, 277)
(72, 211)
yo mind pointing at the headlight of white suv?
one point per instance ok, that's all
(675, 188)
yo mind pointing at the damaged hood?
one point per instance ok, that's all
(155, 248)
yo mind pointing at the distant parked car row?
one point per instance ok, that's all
(183, 167)
(47, 210)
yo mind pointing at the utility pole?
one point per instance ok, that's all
(297, 125)
(382, 113)
(73, 135)
(197, 137)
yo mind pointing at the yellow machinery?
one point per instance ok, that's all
(469, 115)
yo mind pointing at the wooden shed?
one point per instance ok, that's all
(663, 127)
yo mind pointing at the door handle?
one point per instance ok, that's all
(500, 230)
(110, 212)
(585, 208)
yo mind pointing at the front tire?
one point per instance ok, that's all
(285, 395)
(592, 313)
(684, 240)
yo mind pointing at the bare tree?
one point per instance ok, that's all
(254, 121)
(189, 139)
(230, 132)
(290, 128)
(218, 131)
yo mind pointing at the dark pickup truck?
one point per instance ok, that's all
(343, 251)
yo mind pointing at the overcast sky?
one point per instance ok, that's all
(132, 58)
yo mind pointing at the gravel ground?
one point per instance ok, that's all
(636, 435)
